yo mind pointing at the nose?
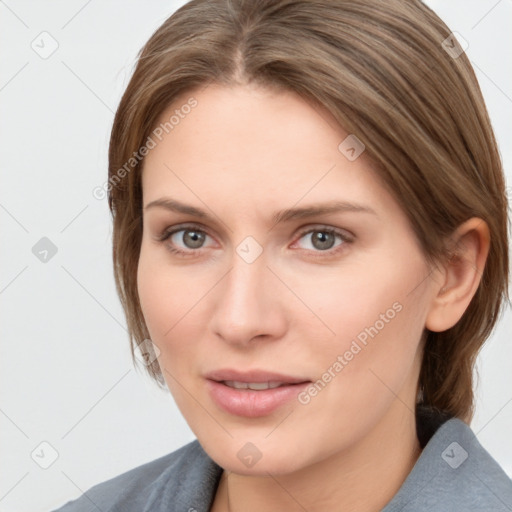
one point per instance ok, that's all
(248, 304)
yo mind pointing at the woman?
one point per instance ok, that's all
(311, 246)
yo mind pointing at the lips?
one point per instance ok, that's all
(253, 393)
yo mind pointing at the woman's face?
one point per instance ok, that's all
(286, 264)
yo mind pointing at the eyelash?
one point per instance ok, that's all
(166, 234)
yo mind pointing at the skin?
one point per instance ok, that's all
(242, 154)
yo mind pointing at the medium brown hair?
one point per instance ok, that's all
(390, 73)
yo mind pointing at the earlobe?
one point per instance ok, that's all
(462, 274)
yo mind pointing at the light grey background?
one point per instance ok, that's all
(66, 374)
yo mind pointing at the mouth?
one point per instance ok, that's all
(252, 394)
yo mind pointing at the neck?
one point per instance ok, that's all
(363, 479)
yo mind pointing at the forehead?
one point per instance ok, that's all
(253, 147)
(258, 117)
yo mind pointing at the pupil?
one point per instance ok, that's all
(323, 240)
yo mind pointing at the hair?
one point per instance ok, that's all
(385, 71)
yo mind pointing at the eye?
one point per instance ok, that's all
(188, 240)
(323, 239)
(184, 240)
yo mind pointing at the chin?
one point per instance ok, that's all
(267, 465)
(248, 458)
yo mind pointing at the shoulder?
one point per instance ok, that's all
(454, 473)
(187, 472)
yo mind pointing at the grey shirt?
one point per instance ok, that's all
(453, 473)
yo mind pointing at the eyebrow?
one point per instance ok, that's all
(281, 216)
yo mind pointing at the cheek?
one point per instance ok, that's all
(154, 296)
(373, 319)
(164, 292)
(364, 297)
(163, 306)
(361, 371)
(171, 301)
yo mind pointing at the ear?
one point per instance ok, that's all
(461, 275)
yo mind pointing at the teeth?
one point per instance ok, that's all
(236, 385)
(256, 386)
(259, 385)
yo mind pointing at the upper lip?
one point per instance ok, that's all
(253, 376)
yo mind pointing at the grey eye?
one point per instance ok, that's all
(190, 238)
(321, 239)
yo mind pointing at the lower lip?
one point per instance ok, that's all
(251, 403)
